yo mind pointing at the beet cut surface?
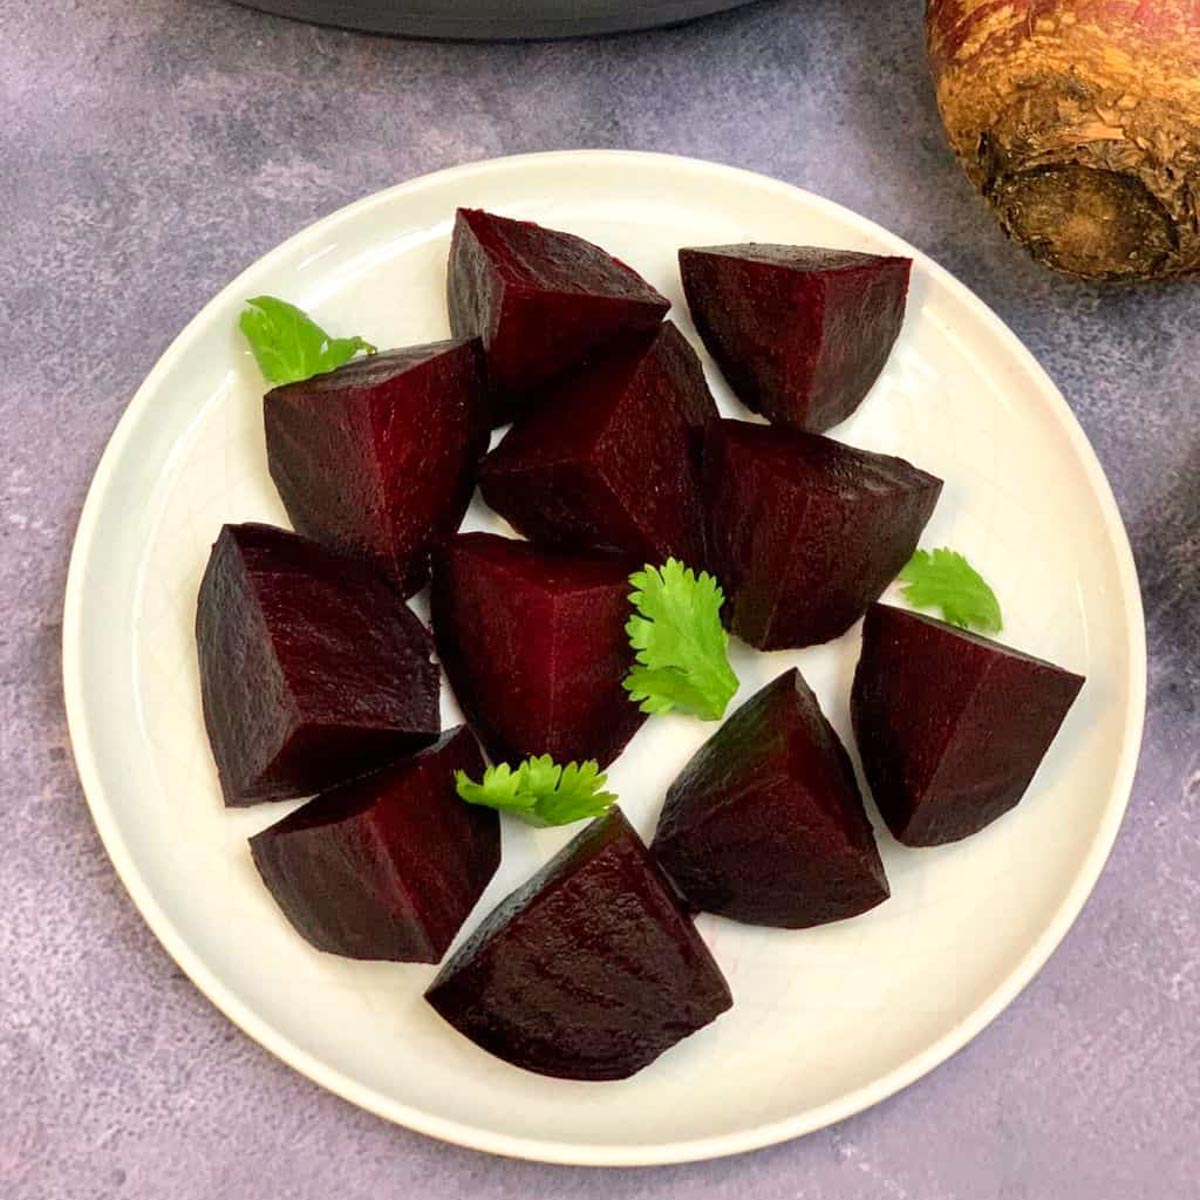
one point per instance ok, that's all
(800, 332)
(534, 645)
(609, 459)
(542, 301)
(805, 532)
(950, 726)
(312, 669)
(589, 971)
(389, 866)
(766, 824)
(377, 458)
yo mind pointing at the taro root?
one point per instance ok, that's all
(1079, 122)
(312, 669)
(589, 971)
(766, 824)
(950, 726)
(541, 300)
(805, 532)
(377, 458)
(535, 647)
(609, 459)
(801, 333)
(389, 866)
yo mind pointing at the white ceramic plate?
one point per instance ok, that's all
(826, 1021)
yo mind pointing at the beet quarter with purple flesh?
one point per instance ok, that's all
(312, 669)
(535, 647)
(800, 332)
(378, 457)
(950, 726)
(389, 866)
(542, 300)
(805, 532)
(589, 971)
(609, 459)
(766, 824)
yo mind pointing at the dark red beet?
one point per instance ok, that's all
(801, 333)
(589, 971)
(535, 647)
(540, 299)
(950, 726)
(377, 459)
(312, 669)
(609, 458)
(388, 866)
(766, 823)
(805, 532)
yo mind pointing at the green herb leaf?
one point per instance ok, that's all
(540, 791)
(944, 579)
(682, 649)
(289, 345)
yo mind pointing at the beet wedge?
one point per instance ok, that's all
(534, 645)
(541, 300)
(801, 333)
(766, 824)
(609, 460)
(389, 866)
(589, 971)
(312, 669)
(804, 532)
(378, 458)
(950, 726)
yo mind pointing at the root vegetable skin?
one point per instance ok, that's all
(1079, 121)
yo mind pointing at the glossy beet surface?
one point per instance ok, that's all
(542, 301)
(950, 726)
(388, 866)
(535, 647)
(312, 669)
(805, 532)
(800, 332)
(609, 458)
(589, 971)
(766, 824)
(378, 458)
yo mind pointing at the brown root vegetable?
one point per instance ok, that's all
(1079, 121)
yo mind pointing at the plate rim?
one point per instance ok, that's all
(548, 1150)
(536, 21)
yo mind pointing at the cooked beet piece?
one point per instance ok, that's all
(388, 866)
(535, 647)
(609, 458)
(377, 458)
(312, 669)
(589, 971)
(950, 726)
(766, 824)
(800, 332)
(805, 532)
(665, 367)
(541, 300)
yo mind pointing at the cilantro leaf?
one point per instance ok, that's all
(540, 791)
(944, 579)
(500, 789)
(681, 646)
(289, 345)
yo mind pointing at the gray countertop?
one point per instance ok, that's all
(151, 149)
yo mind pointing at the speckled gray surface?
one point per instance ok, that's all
(150, 150)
